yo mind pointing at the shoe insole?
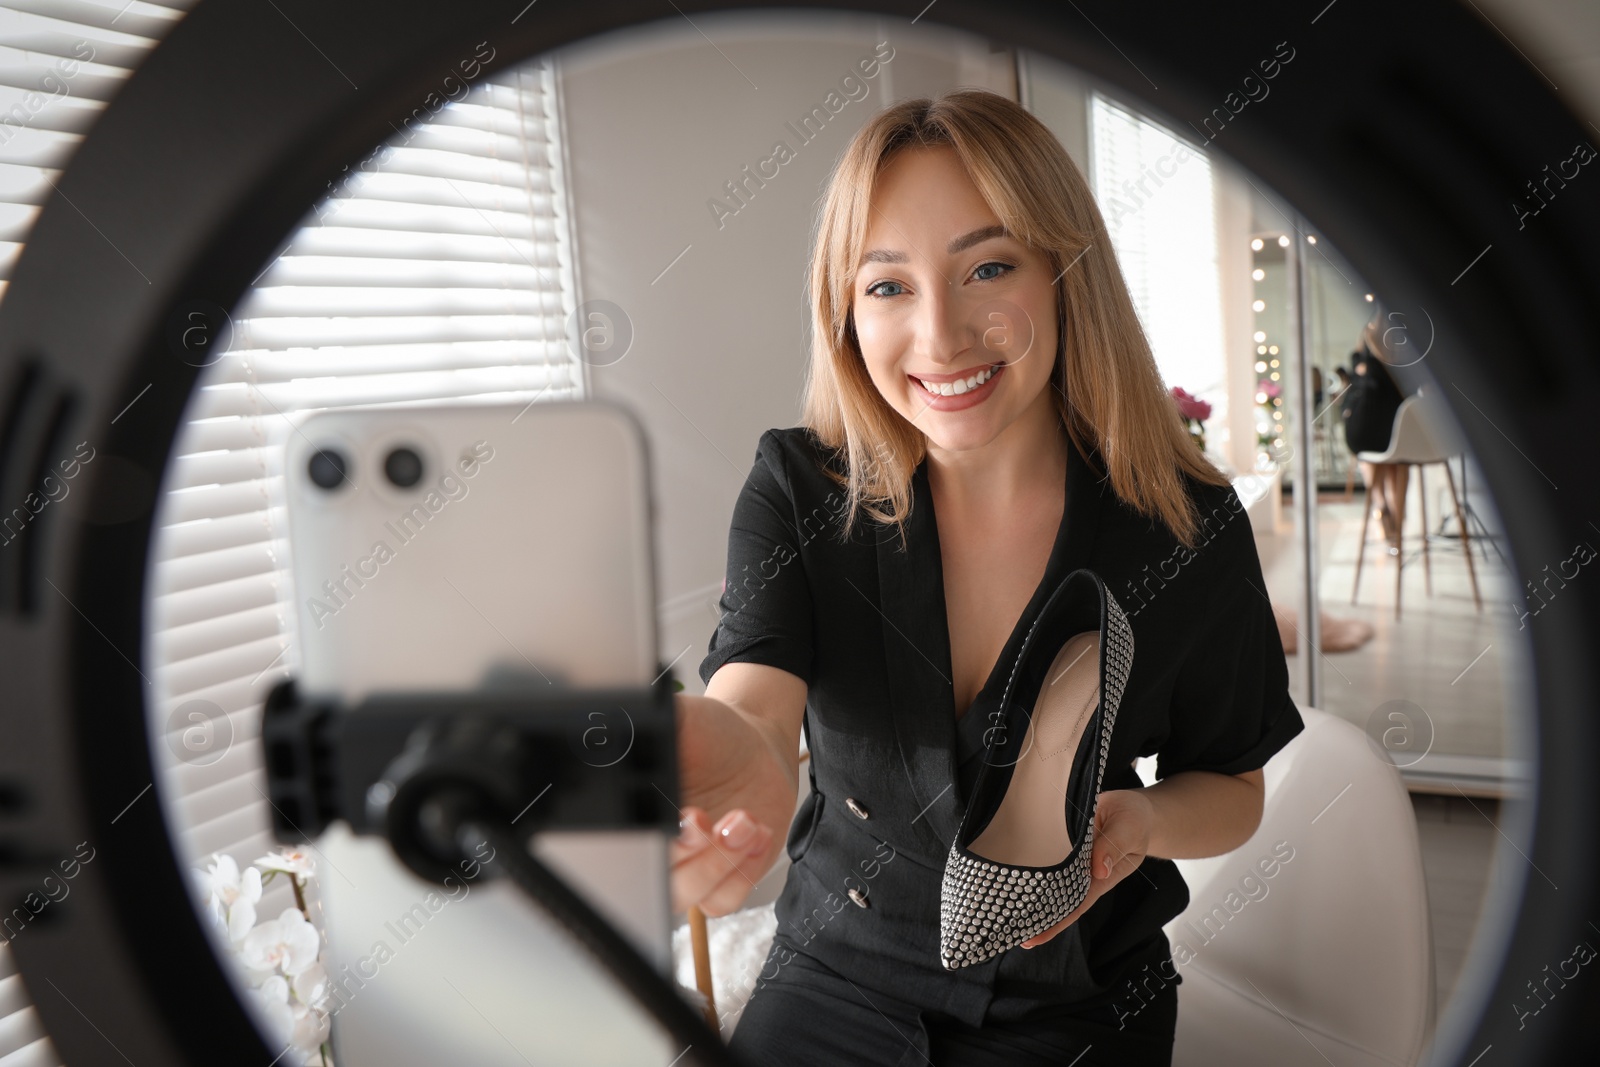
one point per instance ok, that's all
(1029, 829)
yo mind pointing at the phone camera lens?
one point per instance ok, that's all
(326, 468)
(403, 467)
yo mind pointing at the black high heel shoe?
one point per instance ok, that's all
(1020, 861)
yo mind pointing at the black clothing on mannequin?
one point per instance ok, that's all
(1370, 404)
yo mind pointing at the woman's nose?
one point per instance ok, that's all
(943, 332)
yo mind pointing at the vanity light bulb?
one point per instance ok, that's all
(1283, 242)
(1257, 244)
(1259, 305)
(1261, 368)
(1258, 274)
(1260, 335)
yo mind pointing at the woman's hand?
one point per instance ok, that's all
(716, 864)
(1190, 814)
(736, 795)
(1123, 822)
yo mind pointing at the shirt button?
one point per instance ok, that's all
(858, 897)
(855, 805)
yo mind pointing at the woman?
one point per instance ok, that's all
(885, 560)
(1369, 407)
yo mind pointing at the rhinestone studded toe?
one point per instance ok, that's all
(987, 908)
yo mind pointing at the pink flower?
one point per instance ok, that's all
(1271, 388)
(1190, 407)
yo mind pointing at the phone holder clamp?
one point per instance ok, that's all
(413, 766)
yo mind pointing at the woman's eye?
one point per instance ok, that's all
(876, 289)
(1000, 268)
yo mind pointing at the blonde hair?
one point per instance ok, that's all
(1107, 389)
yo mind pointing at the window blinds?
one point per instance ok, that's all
(441, 268)
(1155, 191)
(61, 62)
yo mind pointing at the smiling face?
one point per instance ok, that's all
(945, 296)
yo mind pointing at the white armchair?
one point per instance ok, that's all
(1330, 958)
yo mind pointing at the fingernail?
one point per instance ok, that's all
(739, 832)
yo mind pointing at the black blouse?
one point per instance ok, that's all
(863, 622)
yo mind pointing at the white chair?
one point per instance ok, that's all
(1331, 958)
(1421, 436)
(1334, 953)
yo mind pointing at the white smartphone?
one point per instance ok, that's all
(436, 548)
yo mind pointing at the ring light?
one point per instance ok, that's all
(1405, 134)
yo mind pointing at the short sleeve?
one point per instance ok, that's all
(765, 610)
(1231, 709)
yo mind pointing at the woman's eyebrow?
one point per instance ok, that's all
(966, 241)
(960, 244)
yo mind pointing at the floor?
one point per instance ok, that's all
(1458, 836)
(1457, 676)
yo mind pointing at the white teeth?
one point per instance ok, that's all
(956, 388)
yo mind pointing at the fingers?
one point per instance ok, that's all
(1116, 829)
(694, 833)
(1111, 862)
(716, 865)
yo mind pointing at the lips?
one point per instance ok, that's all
(968, 397)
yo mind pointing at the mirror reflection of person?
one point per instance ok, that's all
(1369, 407)
(884, 562)
(1342, 384)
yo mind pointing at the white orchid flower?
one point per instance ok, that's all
(288, 944)
(295, 861)
(310, 986)
(231, 895)
(273, 999)
(310, 1028)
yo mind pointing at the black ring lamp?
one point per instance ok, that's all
(1405, 133)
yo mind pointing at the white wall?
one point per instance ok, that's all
(657, 121)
